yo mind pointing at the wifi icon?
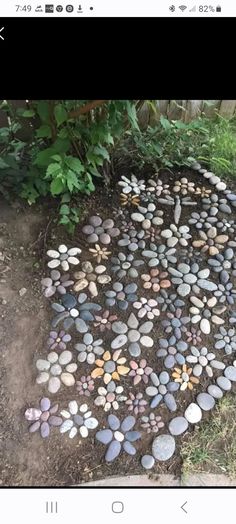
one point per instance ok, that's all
(182, 7)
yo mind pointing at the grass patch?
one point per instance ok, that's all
(212, 447)
(218, 149)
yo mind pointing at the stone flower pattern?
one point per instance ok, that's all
(90, 277)
(204, 361)
(43, 418)
(56, 283)
(184, 377)
(56, 370)
(74, 310)
(155, 280)
(85, 386)
(58, 340)
(150, 305)
(110, 367)
(100, 231)
(140, 371)
(104, 321)
(110, 397)
(210, 242)
(132, 334)
(89, 349)
(136, 403)
(63, 257)
(120, 436)
(151, 423)
(99, 253)
(78, 418)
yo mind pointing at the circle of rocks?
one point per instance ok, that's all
(100, 231)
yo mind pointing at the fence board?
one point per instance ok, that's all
(193, 109)
(210, 107)
(154, 115)
(175, 110)
(227, 108)
(163, 106)
(143, 116)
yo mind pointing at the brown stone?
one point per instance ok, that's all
(165, 283)
(97, 372)
(213, 250)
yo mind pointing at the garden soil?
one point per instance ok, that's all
(25, 459)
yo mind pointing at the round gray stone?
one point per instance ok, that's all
(104, 436)
(163, 447)
(224, 383)
(183, 290)
(170, 401)
(117, 286)
(147, 461)
(109, 366)
(133, 335)
(178, 425)
(151, 391)
(184, 268)
(119, 327)
(95, 221)
(131, 288)
(119, 341)
(205, 401)
(164, 377)
(215, 391)
(134, 349)
(230, 373)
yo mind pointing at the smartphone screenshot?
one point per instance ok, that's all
(117, 262)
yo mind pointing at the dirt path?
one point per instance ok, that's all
(22, 336)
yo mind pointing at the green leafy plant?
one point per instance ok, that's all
(74, 142)
(69, 146)
(175, 143)
(168, 144)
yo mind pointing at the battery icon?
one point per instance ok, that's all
(218, 9)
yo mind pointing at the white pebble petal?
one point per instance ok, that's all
(83, 431)
(91, 423)
(65, 266)
(73, 260)
(64, 413)
(66, 426)
(73, 251)
(52, 253)
(65, 357)
(87, 414)
(62, 248)
(53, 263)
(73, 407)
(73, 432)
(71, 368)
(83, 408)
(42, 377)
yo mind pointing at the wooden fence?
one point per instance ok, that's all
(172, 109)
(185, 110)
